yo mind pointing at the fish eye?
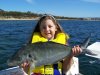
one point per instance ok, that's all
(30, 56)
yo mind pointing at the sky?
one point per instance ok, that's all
(67, 8)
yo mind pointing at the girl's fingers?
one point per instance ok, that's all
(73, 50)
(25, 64)
(76, 50)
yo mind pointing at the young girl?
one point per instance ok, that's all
(48, 29)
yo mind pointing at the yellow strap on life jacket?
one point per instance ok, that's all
(48, 69)
(60, 38)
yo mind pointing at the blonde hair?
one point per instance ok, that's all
(44, 18)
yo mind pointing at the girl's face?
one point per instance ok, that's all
(48, 29)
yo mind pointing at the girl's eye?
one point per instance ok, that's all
(50, 26)
(44, 27)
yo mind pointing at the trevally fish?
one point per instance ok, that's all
(40, 53)
(43, 53)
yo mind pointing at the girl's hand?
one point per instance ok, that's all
(25, 67)
(76, 50)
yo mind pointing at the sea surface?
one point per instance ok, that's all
(15, 33)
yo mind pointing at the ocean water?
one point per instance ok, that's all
(15, 33)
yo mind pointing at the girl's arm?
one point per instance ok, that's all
(67, 62)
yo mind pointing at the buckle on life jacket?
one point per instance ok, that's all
(48, 69)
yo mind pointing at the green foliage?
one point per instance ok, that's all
(30, 15)
(16, 14)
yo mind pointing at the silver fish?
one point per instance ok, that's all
(42, 53)
(38, 54)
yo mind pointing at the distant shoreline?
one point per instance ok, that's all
(38, 19)
(26, 19)
(17, 15)
(19, 18)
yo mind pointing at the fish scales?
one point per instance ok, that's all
(43, 53)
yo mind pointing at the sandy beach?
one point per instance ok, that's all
(19, 18)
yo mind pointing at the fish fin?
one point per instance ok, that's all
(86, 42)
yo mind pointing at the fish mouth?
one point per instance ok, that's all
(12, 63)
(9, 63)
